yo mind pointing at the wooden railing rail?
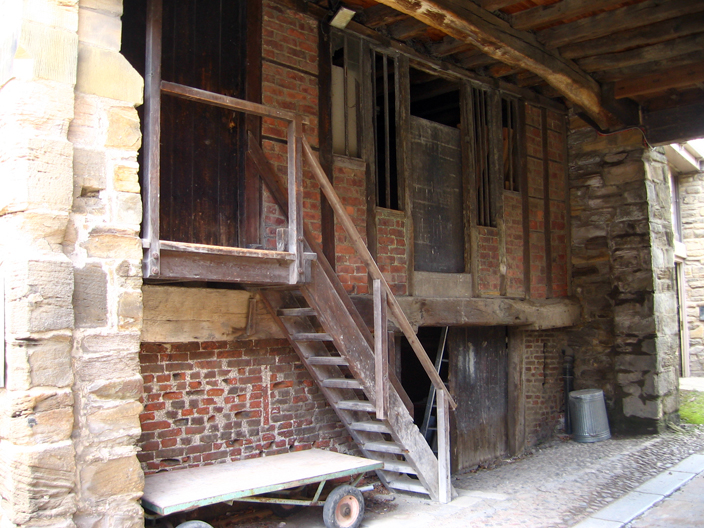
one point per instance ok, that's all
(375, 272)
(295, 170)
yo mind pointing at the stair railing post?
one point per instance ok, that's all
(295, 200)
(381, 349)
(444, 473)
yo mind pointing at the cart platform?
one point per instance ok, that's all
(184, 489)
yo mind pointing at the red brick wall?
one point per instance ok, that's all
(488, 268)
(350, 185)
(513, 214)
(218, 401)
(558, 211)
(391, 249)
(289, 82)
(543, 384)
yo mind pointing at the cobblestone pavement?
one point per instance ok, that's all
(557, 484)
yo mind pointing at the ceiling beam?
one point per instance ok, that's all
(675, 125)
(659, 82)
(470, 23)
(632, 38)
(646, 68)
(494, 5)
(643, 14)
(543, 15)
(380, 15)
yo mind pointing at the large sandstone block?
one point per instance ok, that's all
(39, 428)
(123, 129)
(121, 513)
(113, 244)
(100, 29)
(115, 422)
(107, 73)
(639, 407)
(37, 482)
(53, 51)
(102, 480)
(37, 174)
(89, 167)
(128, 209)
(49, 360)
(126, 178)
(39, 295)
(90, 297)
(56, 13)
(115, 389)
(107, 6)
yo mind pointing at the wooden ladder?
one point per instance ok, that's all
(340, 352)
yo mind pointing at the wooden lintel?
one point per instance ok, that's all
(675, 125)
(470, 23)
(658, 82)
(534, 314)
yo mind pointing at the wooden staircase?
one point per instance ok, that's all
(344, 358)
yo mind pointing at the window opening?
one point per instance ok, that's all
(482, 156)
(434, 98)
(510, 139)
(384, 75)
(346, 74)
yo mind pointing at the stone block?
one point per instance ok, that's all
(634, 318)
(629, 172)
(89, 169)
(123, 129)
(59, 14)
(100, 29)
(128, 208)
(93, 368)
(633, 363)
(117, 344)
(635, 406)
(38, 481)
(107, 6)
(49, 361)
(37, 174)
(115, 422)
(45, 427)
(107, 73)
(113, 244)
(116, 389)
(121, 513)
(53, 51)
(126, 178)
(39, 295)
(129, 310)
(90, 295)
(104, 480)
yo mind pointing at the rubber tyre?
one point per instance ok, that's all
(344, 508)
(285, 510)
(194, 524)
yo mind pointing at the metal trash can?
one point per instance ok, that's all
(588, 415)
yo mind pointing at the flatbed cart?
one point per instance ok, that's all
(249, 480)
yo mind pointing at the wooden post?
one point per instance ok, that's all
(295, 202)
(381, 349)
(444, 474)
(152, 139)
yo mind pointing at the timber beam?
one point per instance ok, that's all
(533, 314)
(467, 22)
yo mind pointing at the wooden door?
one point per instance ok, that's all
(479, 384)
(436, 176)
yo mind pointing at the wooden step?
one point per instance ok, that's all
(296, 312)
(327, 360)
(356, 405)
(384, 447)
(407, 484)
(399, 466)
(370, 427)
(311, 336)
(341, 383)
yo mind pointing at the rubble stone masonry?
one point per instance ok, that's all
(623, 273)
(692, 211)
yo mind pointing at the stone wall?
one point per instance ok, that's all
(692, 212)
(623, 273)
(71, 262)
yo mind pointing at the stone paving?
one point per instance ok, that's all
(557, 484)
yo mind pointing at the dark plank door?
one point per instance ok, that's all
(479, 384)
(202, 146)
(438, 222)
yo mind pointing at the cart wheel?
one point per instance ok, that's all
(344, 508)
(285, 510)
(194, 524)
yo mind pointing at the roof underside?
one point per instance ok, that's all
(618, 63)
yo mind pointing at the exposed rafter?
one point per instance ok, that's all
(543, 15)
(470, 23)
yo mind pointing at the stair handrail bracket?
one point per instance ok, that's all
(376, 274)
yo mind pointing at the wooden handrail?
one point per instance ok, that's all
(375, 272)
